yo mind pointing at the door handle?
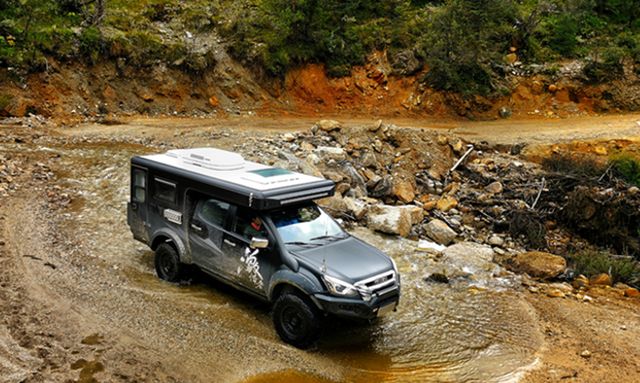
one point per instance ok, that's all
(229, 243)
(196, 228)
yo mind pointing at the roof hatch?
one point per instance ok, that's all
(209, 158)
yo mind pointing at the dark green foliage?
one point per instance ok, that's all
(627, 168)
(465, 38)
(5, 101)
(279, 34)
(563, 34)
(462, 43)
(621, 269)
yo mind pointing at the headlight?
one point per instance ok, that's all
(395, 267)
(338, 287)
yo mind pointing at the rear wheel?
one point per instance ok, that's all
(167, 263)
(296, 319)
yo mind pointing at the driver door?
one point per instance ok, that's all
(254, 266)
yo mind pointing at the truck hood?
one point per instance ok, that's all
(349, 259)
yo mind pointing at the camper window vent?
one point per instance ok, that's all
(209, 158)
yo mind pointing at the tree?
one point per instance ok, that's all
(463, 39)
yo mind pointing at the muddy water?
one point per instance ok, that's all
(471, 330)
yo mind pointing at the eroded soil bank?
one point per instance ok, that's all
(81, 301)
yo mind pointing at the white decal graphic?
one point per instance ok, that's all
(251, 267)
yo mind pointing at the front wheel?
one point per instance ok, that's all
(296, 320)
(167, 263)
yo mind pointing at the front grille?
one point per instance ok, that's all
(381, 285)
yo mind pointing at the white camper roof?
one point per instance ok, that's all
(231, 167)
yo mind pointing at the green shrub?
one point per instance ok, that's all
(626, 167)
(91, 44)
(5, 101)
(562, 34)
(621, 269)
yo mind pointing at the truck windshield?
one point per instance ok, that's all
(305, 224)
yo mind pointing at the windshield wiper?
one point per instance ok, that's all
(332, 236)
(298, 243)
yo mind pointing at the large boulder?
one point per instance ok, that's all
(440, 232)
(538, 264)
(394, 219)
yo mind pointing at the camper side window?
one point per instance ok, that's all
(213, 211)
(139, 185)
(164, 190)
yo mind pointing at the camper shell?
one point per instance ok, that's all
(252, 226)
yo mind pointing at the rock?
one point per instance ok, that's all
(371, 176)
(510, 58)
(563, 287)
(146, 96)
(376, 126)
(601, 150)
(631, 293)
(552, 88)
(437, 277)
(214, 102)
(330, 152)
(505, 112)
(440, 232)
(356, 207)
(496, 240)
(393, 219)
(335, 204)
(494, 188)
(446, 203)
(603, 279)
(404, 191)
(288, 137)
(555, 293)
(342, 188)
(580, 282)
(430, 247)
(382, 188)
(405, 63)
(456, 144)
(328, 125)
(333, 176)
(585, 354)
(538, 264)
(369, 160)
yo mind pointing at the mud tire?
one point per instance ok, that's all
(297, 320)
(167, 263)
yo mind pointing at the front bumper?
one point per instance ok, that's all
(355, 307)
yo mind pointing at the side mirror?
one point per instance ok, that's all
(259, 243)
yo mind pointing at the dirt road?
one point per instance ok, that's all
(80, 300)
